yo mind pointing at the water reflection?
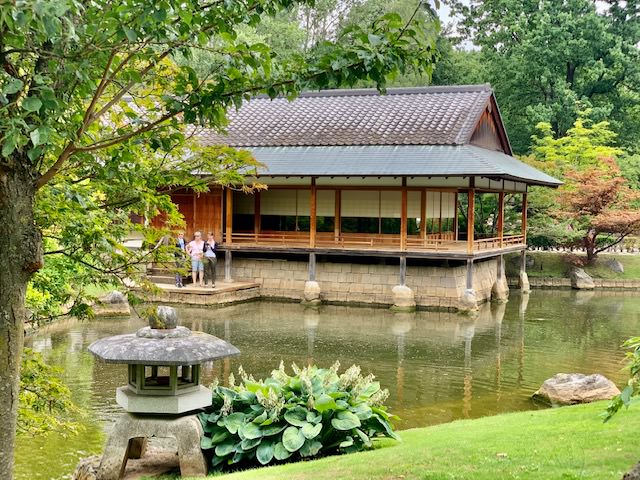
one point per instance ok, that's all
(438, 366)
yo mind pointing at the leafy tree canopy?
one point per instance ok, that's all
(94, 99)
(549, 59)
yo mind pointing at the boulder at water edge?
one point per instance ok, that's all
(114, 304)
(572, 388)
(581, 280)
(615, 265)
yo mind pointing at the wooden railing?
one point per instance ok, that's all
(494, 242)
(432, 242)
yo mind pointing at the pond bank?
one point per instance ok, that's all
(562, 443)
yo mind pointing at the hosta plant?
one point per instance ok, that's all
(315, 411)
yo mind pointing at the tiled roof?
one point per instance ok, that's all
(400, 160)
(409, 116)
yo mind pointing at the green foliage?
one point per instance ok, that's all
(631, 392)
(549, 60)
(313, 412)
(95, 98)
(45, 401)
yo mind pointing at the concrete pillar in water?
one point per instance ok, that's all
(468, 302)
(500, 289)
(523, 278)
(311, 294)
(227, 266)
(403, 297)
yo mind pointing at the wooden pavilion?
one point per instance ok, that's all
(353, 172)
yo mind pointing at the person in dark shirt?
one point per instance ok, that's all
(210, 260)
(181, 245)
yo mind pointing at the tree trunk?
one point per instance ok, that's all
(590, 245)
(20, 256)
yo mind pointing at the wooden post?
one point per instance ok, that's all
(195, 215)
(423, 215)
(312, 214)
(312, 267)
(524, 217)
(470, 219)
(403, 216)
(455, 218)
(229, 216)
(501, 218)
(336, 217)
(440, 219)
(256, 215)
(227, 266)
(403, 270)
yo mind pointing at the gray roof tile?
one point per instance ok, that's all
(410, 116)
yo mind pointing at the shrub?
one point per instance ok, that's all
(283, 418)
(631, 392)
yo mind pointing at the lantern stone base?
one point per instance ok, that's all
(129, 431)
(165, 404)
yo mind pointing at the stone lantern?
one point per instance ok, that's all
(163, 391)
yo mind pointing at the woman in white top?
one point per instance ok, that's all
(210, 260)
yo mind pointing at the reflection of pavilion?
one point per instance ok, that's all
(459, 328)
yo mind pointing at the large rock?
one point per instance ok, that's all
(572, 388)
(523, 282)
(311, 294)
(115, 298)
(403, 298)
(633, 474)
(500, 290)
(114, 304)
(581, 280)
(468, 302)
(615, 265)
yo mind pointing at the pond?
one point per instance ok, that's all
(437, 366)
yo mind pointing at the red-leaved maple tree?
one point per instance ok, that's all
(600, 205)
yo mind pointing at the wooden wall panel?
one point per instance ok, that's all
(201, 212)
(485, 135)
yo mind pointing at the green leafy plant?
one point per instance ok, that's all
(631, 392)
(314, 412)
(45, 401)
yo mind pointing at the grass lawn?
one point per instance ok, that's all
(553, 265)
(562, 443)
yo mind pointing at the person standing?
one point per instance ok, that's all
(210, 260)
(181, 245)
(195, 249)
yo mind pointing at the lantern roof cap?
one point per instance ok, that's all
(162, 346)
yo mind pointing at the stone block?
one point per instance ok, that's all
(186, 431)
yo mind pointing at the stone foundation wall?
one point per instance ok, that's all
(547, 282)
(434, 287)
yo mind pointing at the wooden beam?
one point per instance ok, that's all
(403, 216)
(229, 216)
(312, 214)
(471, 215)
(524, 217)
(501, 217)
(423, 214)
(256, 213)
(403, 270)
(336, 217)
